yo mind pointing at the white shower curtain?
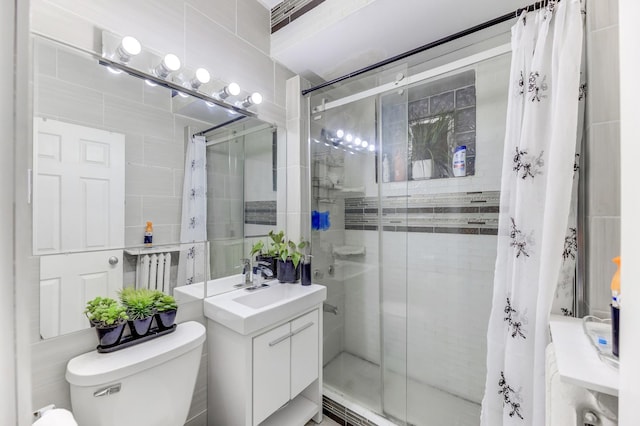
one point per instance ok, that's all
(193, 265)
(536, 192)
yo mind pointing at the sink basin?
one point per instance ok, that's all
(246, 311)
(189, 293)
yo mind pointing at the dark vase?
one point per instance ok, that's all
(271, 260)
(287, 273)
(140, 327)
(109, 336)
(166, 319)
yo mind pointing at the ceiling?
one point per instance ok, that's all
(341, 36)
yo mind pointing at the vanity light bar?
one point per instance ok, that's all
(128, 55)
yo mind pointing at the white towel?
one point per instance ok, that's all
(56, 417)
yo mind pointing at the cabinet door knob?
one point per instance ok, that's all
(113, 260)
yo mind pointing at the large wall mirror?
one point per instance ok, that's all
(108, 157)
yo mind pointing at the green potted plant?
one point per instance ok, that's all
(166, 310)
(140, 305)
(262, 254)
(108, 317)
(289, 257)
(430, 152)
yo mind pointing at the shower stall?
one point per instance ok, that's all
(405, 168)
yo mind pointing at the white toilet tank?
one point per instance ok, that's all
(147, 384)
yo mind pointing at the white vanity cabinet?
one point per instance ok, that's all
(270, 377)
(285, 362)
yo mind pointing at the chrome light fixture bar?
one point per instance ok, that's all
(146, 66)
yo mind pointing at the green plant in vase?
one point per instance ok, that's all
(108, 317)
(166, 310)
(140, 305)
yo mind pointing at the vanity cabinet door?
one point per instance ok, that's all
(304, 352)
(271, 371)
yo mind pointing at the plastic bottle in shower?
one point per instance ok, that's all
(385, 168)
(460, 161)
(148, 235)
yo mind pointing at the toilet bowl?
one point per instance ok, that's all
(147, 384)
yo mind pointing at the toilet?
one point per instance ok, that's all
(150, 383)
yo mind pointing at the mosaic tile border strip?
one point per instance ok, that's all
(260, 212)
(343, 415)
(468, 213)
(290, 10)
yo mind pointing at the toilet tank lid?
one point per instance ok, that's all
(95, 368)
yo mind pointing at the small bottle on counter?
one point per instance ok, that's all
(148, 235)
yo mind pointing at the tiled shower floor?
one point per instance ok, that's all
(358, 381)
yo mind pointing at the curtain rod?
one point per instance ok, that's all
(495, 21)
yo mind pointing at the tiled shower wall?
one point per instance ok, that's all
(231, 39)
(602, 151)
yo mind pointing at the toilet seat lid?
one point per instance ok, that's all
(93, 368)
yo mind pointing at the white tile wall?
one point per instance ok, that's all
(230, 37)
(603, 152)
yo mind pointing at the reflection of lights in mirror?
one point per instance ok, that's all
(128, 47)
(340, 133)
(365, 144)
(201, 77)
(232, 89)
(113, 70)
(170, 63)
(357, 141)
(349, 137)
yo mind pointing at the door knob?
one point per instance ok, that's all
(113, 260)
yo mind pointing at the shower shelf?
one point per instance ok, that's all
(578, 361)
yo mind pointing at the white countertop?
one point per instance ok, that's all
(578, 361)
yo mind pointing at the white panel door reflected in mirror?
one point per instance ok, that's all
(78, 213)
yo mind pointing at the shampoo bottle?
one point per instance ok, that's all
(615, 308)
(148, 235)
(460, 161)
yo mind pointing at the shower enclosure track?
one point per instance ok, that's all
(495, 21)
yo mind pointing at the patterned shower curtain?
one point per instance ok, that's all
(536, 240)
(193, 265)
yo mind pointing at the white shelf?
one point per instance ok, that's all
(152, 250)
(297, 412)
(578, 361)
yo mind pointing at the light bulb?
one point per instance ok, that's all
(372, 147)
(202, 77)
(169, 64)
(358, 141)
(365, 144)
(254, 99)
(349, 137)
(232, 89)
(340, 133)
(128, 47)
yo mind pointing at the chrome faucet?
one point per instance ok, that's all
(246, 271)
(261, 270)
